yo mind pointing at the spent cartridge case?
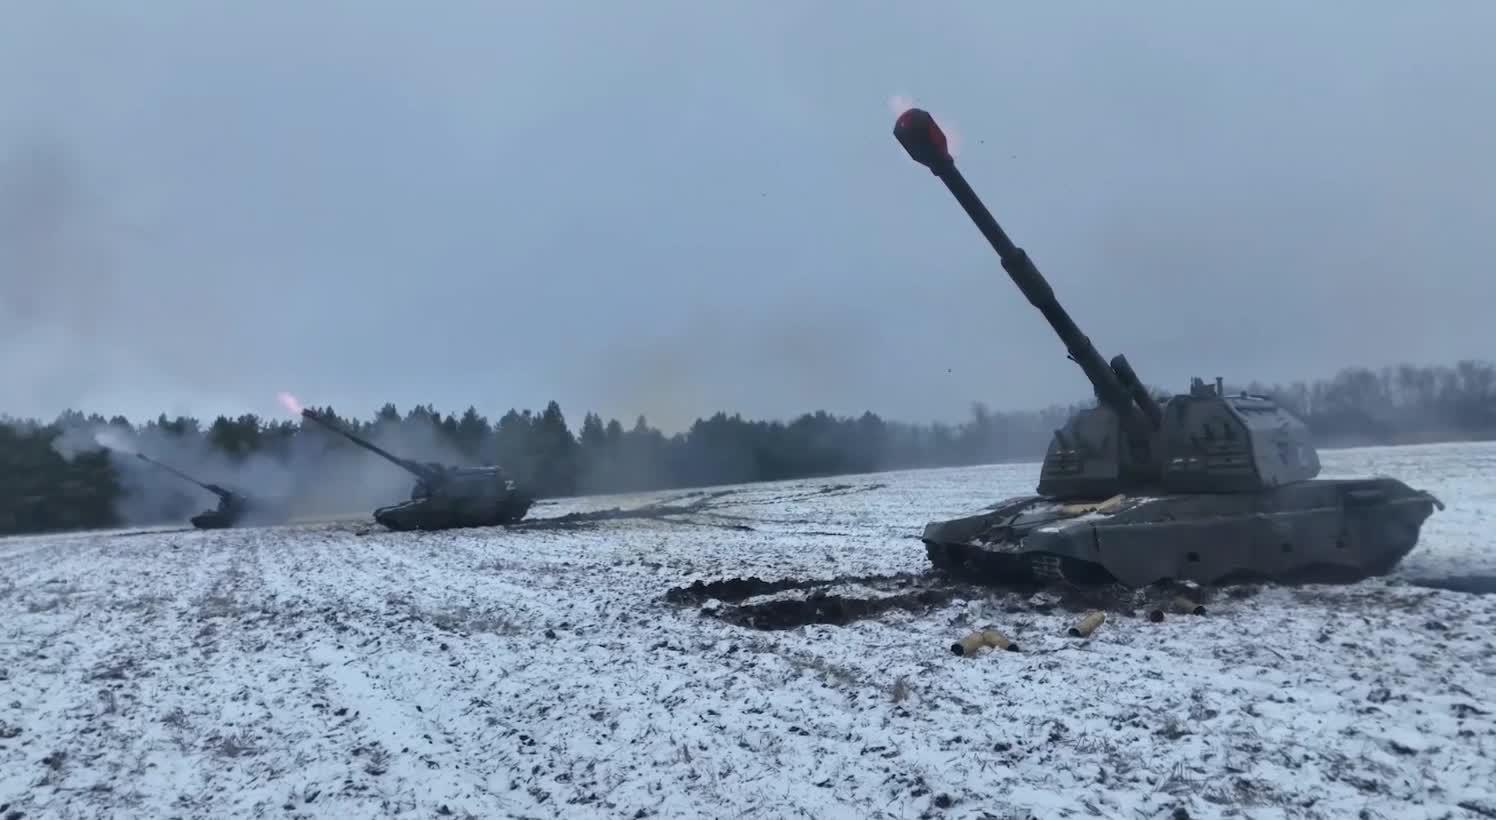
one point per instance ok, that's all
(970, 644)
(1188, 607)
(1087, 625)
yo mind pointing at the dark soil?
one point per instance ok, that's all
(907, 592)
(1472, 584)
(910, 592)
(737, 589)
(829, 609)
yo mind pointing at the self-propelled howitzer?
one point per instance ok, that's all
(232, 506)
(445, 497)
(1207, 488)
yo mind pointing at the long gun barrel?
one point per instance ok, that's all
(212, 488)
(1115, 385)
(419, 470)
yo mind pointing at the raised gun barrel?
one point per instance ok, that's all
(212, 488)
(1116, 386)
(420, 471)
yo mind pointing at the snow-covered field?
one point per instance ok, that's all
(335, 670)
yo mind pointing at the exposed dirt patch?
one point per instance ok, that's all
(905, 591)
(739, 589)
(1471, 584)
(829, 609)
(729, 599)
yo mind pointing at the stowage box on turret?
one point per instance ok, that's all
(1208, 487)
(446, 497)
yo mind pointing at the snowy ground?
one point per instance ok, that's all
(334, 670)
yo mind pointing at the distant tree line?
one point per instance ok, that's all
(41, 489)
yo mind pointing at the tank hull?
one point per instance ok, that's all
(434, 512)
(214, 520)
(1323, 530)
(241, 511)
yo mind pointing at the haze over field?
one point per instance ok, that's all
(302, 478)
(676, 208)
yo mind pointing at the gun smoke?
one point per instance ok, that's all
(318, 476)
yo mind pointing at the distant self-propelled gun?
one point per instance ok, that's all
(1208, 487)
(445, 497)
(232, 508)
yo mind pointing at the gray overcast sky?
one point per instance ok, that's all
(674, 207)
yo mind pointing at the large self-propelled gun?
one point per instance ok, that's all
(445, 497)
(1206, 487)
(233, 508)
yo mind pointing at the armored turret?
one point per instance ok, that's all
(1205, 488)
(444, 497)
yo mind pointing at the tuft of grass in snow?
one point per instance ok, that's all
(233, 745)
